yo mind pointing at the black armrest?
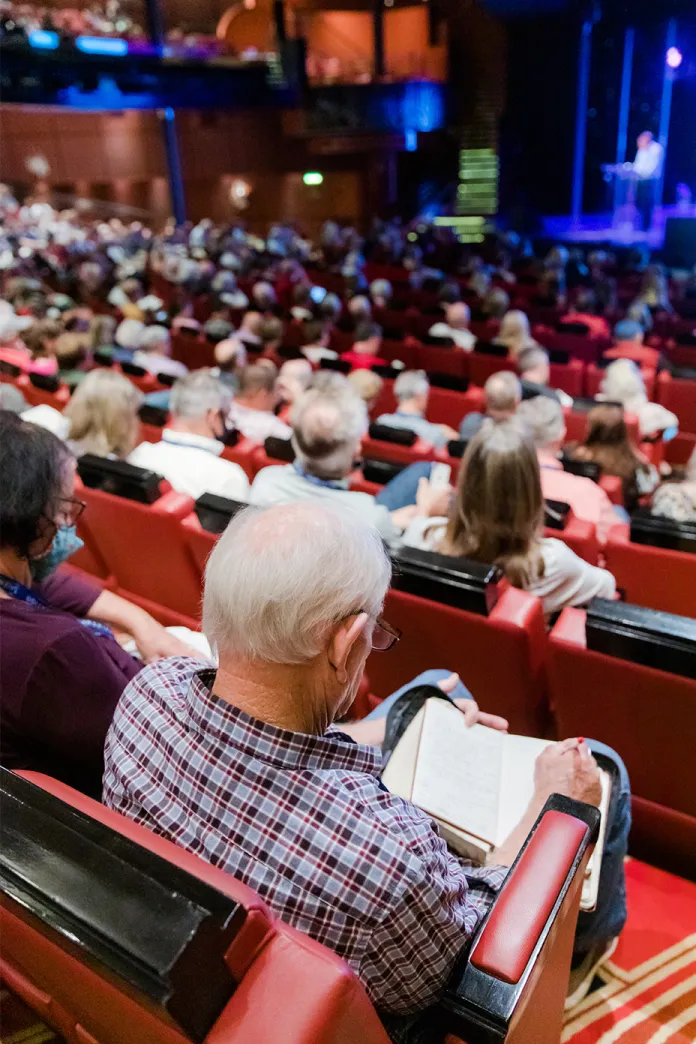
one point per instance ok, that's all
(386, 433)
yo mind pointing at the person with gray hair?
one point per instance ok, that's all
(243, 764)
(381, 293)
(327, 431)
(189, 454)
(503, 395)
(455, 326)
(154, 350)
(412, 390)
(535, 373)
(588, 501)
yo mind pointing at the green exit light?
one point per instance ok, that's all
(313, 177)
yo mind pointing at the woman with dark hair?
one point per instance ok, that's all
(61, 671)
(608, 444)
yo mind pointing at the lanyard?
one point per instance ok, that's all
(23, 594)
(341, 484)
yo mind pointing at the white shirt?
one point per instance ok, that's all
(567, 579)
(154, 363)
(462, 338)
(281, 484)
(648, 161)
(192, 465)
(257, 425)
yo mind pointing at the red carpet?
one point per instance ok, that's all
(649, 991)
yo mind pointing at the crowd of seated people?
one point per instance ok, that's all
(295, 586)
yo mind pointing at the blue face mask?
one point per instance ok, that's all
(65, 543)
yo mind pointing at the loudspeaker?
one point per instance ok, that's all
(680, 242)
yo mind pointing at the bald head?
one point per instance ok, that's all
(293, 379)
(458, 315)
(503, 395)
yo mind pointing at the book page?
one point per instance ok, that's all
(458, 771)
(516, 781)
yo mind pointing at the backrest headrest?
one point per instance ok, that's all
(662, 532)
(10, 369)
(584, 468)
(664, 641)
(49, 382)
(387, 433)
(437, 342)
(103, 357)
(155, 415)
(450, 381)
(380, 471)
(214, 513)
(573, 328)
(340, 365)
(120, 478)
(167, 380)
(458, 582)
(556, 514)
(557, 356)
(387, 372)
(279, 449)
(132, 370)
(488, 348)
(457, 447)
(132, 916)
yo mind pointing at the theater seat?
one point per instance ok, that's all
(497, 645)
(450, 407)
(143, 547)
(657, 577)
(679, 395)
(113, 935)
(649, 716)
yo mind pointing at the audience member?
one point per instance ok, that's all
(535, 373)
(327, 430)
(360, 309)
(608, 444)
(271, 334)
(412, 390)
(318, 336)
(72, 352)
(103, 415)
(231, 358)
(366, 346)
(628, 344)
(381, 293)
(252, 410)
(624, 383)
(587, 500)
(292, 604)
(189, 453)
(586, 312)
(514, 333)
(497, 517)
(249, 332)
(503, 394)
(293, 380)
(677, 500)
(61, 669)
(127, 338)
(301, 310)
(495, 303)
(368, 386)
(455, 326)
(153, 354)
(264, 297)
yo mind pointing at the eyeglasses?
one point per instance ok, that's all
(76, 508)
(384, 636)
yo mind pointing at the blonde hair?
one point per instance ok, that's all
(366, 384)
(498, 510)
(103, 414)
(623, 383)
(514, 332)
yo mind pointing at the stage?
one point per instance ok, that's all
(598, 228)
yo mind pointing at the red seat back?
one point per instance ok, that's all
(450, 407)
(580, 536)
(143, 547)
(653, 576)
(649, 717)
(679, 396)
(483, 366)
(451, 361)
(199, 541)
(284, 979)
(499, 657)
(568, 377)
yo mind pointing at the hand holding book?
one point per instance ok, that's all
(568, 768)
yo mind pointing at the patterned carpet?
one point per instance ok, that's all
(647, 992)
(648, 989)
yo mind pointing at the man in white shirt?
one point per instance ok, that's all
(412, 389)
(153, 353)
(647, 166)
(189, 453)
(251, 412)
(455, 326)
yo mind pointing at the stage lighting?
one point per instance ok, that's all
(674, 57)
(101, 45)
(43, 40)
(313, 177)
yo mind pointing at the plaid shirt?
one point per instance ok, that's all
(304, 821)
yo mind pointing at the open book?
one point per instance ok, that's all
(476, 782)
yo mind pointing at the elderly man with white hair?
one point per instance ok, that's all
(153, 354)
(327, 430)
(287, 802)
(412, 390)
(455, 326)
(189, 453)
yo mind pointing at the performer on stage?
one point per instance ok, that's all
(647, 167)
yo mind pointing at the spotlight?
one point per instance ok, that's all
(313, 177)
(674, 57)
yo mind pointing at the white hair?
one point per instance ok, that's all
(279, 579)
(381, 288)
(544, 418)
(326, 427)
(410, 384)
(192, 396)
(151, 336)
(623, 383)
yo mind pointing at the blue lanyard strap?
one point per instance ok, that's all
(341, 484)
(24, 594)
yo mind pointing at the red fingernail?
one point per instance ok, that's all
(581, 739)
